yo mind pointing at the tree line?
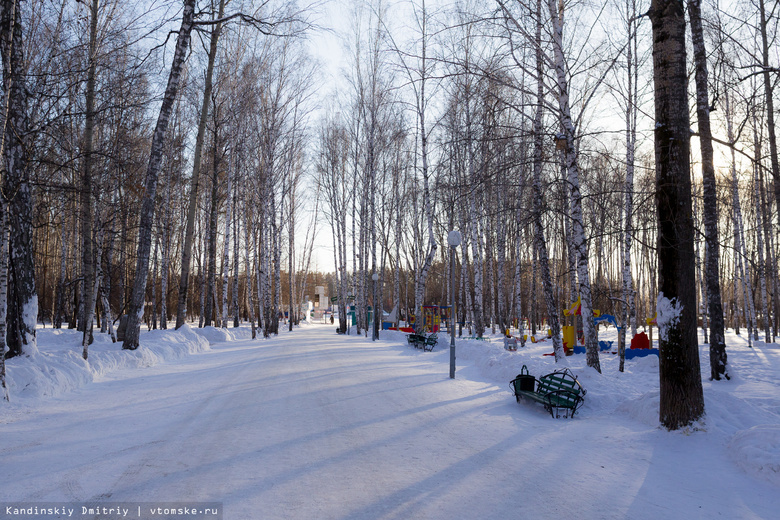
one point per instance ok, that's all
(550, 135)
(176, 160)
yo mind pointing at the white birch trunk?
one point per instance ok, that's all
(96, 287)
(236, 249)
(108, 317)
(355, 252)
(258, 303)
(105, 292)
(501, 262)
(265, 269)
(628, 317)
(739, 233)
(155, 265)
(212, 308)
(166, 255)
(466, 298)
(181, 307)
(519, 279)
(259, 260)
(397, 274)
(474, 226)
(702, 281)
(419, 293)
(226, 252)
(760, 227)
(491, 278)
(572, 167)
(136, 308)
(3, 294)
(277, 271)
(59, 306)
(344, 289)
(202, 276)
(539, 241)
(248, 271)
(361, 307)
(291, 238)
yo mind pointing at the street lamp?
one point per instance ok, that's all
(374, 333)
(453, 239)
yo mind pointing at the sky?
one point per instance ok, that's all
(328, 47)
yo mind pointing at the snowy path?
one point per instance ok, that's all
(312, 425)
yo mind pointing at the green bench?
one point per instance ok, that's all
(422, 341)
(558, 391)
(414, 339)
(430, 342)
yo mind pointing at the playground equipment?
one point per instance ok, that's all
(650, 322)
(632, 353)
(569, 337)
(605, 317)
(641, 344)
(604, 346)
(570, 334)
(575, 309)
(436, 318)
(431, 318)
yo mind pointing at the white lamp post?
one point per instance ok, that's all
(374, 332)
(453, 239)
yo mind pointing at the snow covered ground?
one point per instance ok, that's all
(313, 425)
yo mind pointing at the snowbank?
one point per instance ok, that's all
(757, 451)
(216, 335)
(743, 413)
(59, 367)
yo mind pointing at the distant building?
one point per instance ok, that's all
(321, 298)
(321, 301)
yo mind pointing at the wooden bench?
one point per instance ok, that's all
(557, 391)
(430, 342)
(415, 339)
(422, 341)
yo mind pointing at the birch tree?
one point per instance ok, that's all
(226, 253)
(631, 110)
(136, 307)
(718, 357)
(765, 68)
(181, 309)
(3, 295)
(538, 132)
(333, 158)
(22, 297)
(762, 234)
(743, 270)
(419, 75)
(88, 268)
(572, 167)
